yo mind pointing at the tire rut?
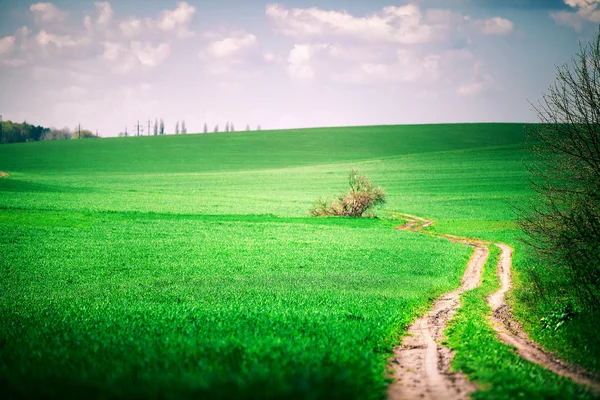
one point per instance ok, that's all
(510, 331)
(421, 364)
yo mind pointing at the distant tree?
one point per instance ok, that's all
(247, 128)
(58, 134)
(155, 127)
(183, 127)
(177, 128)
(231, 128)
(13, 132)
(162, 127)
(217, 128)
(258, 128)
(84, 134)
(205, 128)
(227, 127)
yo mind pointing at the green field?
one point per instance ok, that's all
(185, 266)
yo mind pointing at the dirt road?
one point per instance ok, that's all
(421, 364)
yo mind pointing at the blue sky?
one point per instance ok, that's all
(282, 64)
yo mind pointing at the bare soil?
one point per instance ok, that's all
(421, 365)
(3, 174)
(511, 333)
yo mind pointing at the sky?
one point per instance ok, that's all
(288, 64)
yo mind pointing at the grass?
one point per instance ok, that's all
(186, 265)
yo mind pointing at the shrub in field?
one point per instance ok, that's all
(362, 196)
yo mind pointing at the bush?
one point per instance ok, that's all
(362, 196)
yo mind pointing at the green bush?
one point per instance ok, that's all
(362, 196)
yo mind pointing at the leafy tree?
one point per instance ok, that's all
(58, 134)
(563, 222)
(84, 134)
(13, 132)
(162, 127)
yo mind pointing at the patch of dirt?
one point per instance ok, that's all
(3, 175)
(421, 365)
(510, 332)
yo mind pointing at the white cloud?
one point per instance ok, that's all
(231, 46)
(112, 50)
(105, 12)
(177, 20)
(131, 27)
(585, 11)
(7, 44)
(149, 55)
(495, 26)
(300, 60)
(47, 12)
(44, 39)
(475, 88)
(407, 24)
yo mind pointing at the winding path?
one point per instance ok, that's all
(421, 365)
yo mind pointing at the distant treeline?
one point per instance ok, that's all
(14, 132)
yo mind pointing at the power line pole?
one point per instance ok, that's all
(138, 128)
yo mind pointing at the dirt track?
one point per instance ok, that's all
(421, 365)
(510, 332)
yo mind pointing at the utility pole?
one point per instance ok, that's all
(138, 128)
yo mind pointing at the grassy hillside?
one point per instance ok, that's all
(186, 265)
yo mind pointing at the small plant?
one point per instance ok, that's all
(362, 196)
(555, 319)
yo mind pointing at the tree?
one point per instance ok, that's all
(227, 127)
(162, 127)
(217, 128)
(177, 128)
(231, 128)
(247, 128)
(155, 127)
(258, 128)
(183, 127)
(205, 128)
(563, 222)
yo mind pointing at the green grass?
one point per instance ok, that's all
(495, 367)
(186, 265)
